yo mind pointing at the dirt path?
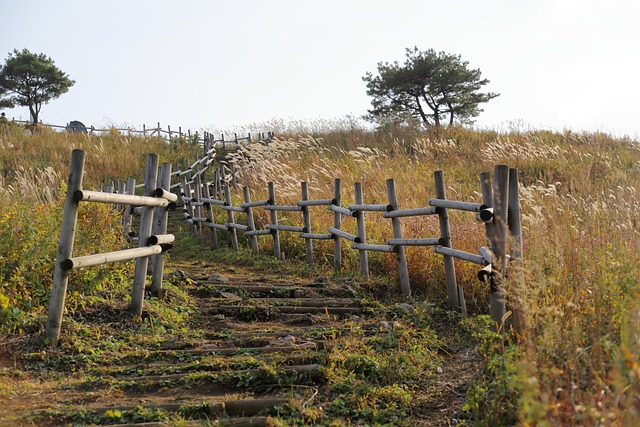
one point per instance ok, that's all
(258, 348)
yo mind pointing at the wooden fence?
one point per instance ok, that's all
(204, 138)
(152, 238)
(499, 211)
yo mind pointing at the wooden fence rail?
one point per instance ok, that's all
(155, 198)
(499, 212)
(207, 139)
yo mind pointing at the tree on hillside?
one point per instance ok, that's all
(430, 87)
(30, 80)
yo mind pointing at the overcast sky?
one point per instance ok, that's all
(559, 64)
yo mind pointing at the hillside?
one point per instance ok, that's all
(577, 364)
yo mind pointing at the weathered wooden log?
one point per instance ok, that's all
(306, 219)
(273, 216)
(445, 235)
(343, 211)
(233, 209)
(410, 212)
(146, 224)
(230, 218)
(322, 202)
(251, 225)
(257, 232)
(164, 194)
(210, 201)
(403, 268)
(240, 227)
(160, 239)
(452, 204)
(485, 273)
(317, 236)
(283, 208)
(362, 231)
(374, 248)
(515, 267)
(160, 220)
(256, 204)
(215, 226)
(344, 235)
(455, 253)
(125, 199)
(287, 228)
(65, 248)
(108, 257)
(370, 208)
(415, 242)
(497, 306)
(337, 225)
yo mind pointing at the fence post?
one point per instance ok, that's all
(197, 211)
(161, 218)
(499, 245)
(65, 248)
(337, 223)
(253, 240)
(306, 218)
(516, 273)
(233, 232)
(445, 234)
(274, 221)
(207, 195)
(403, 268)
(146, 222)
(127, 220)
(362, 231)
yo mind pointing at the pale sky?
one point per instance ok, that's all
(558, 64)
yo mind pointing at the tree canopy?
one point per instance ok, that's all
(30, 80)
(430, 87)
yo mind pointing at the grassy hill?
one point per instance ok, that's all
(579, 192)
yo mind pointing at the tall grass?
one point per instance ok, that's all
(580, 362)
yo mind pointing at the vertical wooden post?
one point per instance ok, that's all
(197, 211)
(253, 240)
(161, 218)
(337, 223)
(216, 184)
(144, 130)
(274, 221)
(121, 190)
(487, 200)
(306, 218)
(65, 249)
(362, 231)
(212, 220)
(232, 231)
(497, 307)
(403, 268)
(445, 234)
(146, 222)
(516, 273)
(127, 219)
(234, 176)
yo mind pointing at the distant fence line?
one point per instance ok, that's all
(203, 138)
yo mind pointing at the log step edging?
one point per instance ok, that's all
(311, 370)
(231, 408)
(291, 309)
